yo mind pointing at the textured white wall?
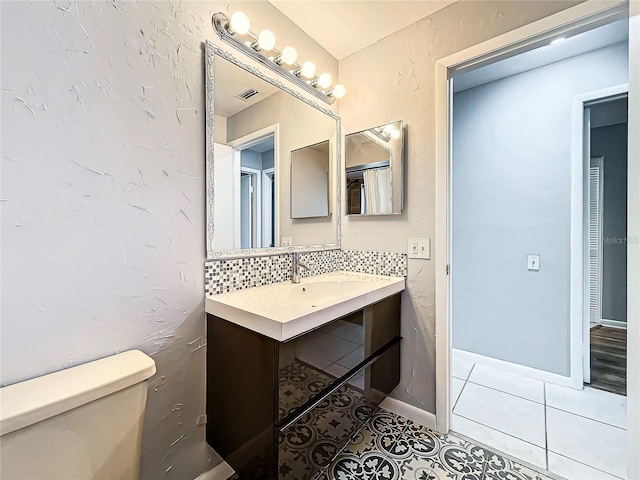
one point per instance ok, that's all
(394, 80)
(511, 198)
(103, 186)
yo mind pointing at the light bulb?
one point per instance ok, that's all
(557, 40)
(289, 55)
(266, 40)
(324, 80)
(308, 69)
(338, 91)
(395, 133)
(239, 23)
(388, 129)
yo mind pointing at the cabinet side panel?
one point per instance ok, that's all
(384, 374)
(383, 323)
(240, 398)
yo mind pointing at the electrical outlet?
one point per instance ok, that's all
(287, 241)
(412, 247)
(419, 248)
(533, 263)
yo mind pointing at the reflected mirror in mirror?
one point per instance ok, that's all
(374, 170)
(258, 129)
(310, 171)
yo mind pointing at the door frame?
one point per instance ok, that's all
(582, 17)
(248, 141)
(256, 205)
(580, 340)
(267, 219)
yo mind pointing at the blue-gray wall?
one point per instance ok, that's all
(511, 197)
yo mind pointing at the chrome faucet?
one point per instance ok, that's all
(295, 270)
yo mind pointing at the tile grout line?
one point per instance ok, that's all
(543, 403)
(500, 431)
(546, 435)
(462, 389)
(513, 458)
(585, 465)
(507, 393)
(587, 418)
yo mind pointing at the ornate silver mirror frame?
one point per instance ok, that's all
(211, 49)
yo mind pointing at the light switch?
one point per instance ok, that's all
(419, 248)
(533, 262)
(287, 241)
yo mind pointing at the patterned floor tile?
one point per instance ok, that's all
(391, 447)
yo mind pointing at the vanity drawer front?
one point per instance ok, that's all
(313, 362)
(309, 444)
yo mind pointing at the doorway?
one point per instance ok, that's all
(250, 226)
(506, 47)
(255, 189)
(605, 214)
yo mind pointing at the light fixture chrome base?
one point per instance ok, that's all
(220, 21)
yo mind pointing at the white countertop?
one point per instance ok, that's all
(285, 310)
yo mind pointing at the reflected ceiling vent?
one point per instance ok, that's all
(248, 93)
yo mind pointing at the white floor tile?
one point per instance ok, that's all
(348, 331)
(352, 359)
(591, 403)
(460, 368)
(357, 381)
(327, 346)
(587, 441)
(313, 360)
(456, 389)
(500, 441)
(512, 415)
(508, 382)
(336, 370)
(573, 470)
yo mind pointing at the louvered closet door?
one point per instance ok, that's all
(595, 239)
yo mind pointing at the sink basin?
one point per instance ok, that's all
(320, 293)
(285, 310)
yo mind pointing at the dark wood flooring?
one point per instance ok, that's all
(609, 359)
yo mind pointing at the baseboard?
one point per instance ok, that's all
(222, 471)
(424, 418)
(613, 323)
(530, 372)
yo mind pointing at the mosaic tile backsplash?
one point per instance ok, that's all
(228, 275)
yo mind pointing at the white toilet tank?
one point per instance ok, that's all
(81, 423)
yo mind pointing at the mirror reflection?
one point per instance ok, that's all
(374, 170)
(273, 165)
(310, 170)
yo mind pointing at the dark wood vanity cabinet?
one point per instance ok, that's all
(283, 410)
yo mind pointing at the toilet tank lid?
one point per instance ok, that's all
(25, 403)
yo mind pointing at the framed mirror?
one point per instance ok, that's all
(374, 170)
(272, 163)
(310, 170)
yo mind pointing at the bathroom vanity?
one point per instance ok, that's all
(293, 370)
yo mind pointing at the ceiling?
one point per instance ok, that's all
(600, 37)
(343, 27)
(232, 80)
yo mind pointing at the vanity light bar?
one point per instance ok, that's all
(257, 46)
(386, 132)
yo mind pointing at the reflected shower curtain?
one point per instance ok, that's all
(377, 191)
